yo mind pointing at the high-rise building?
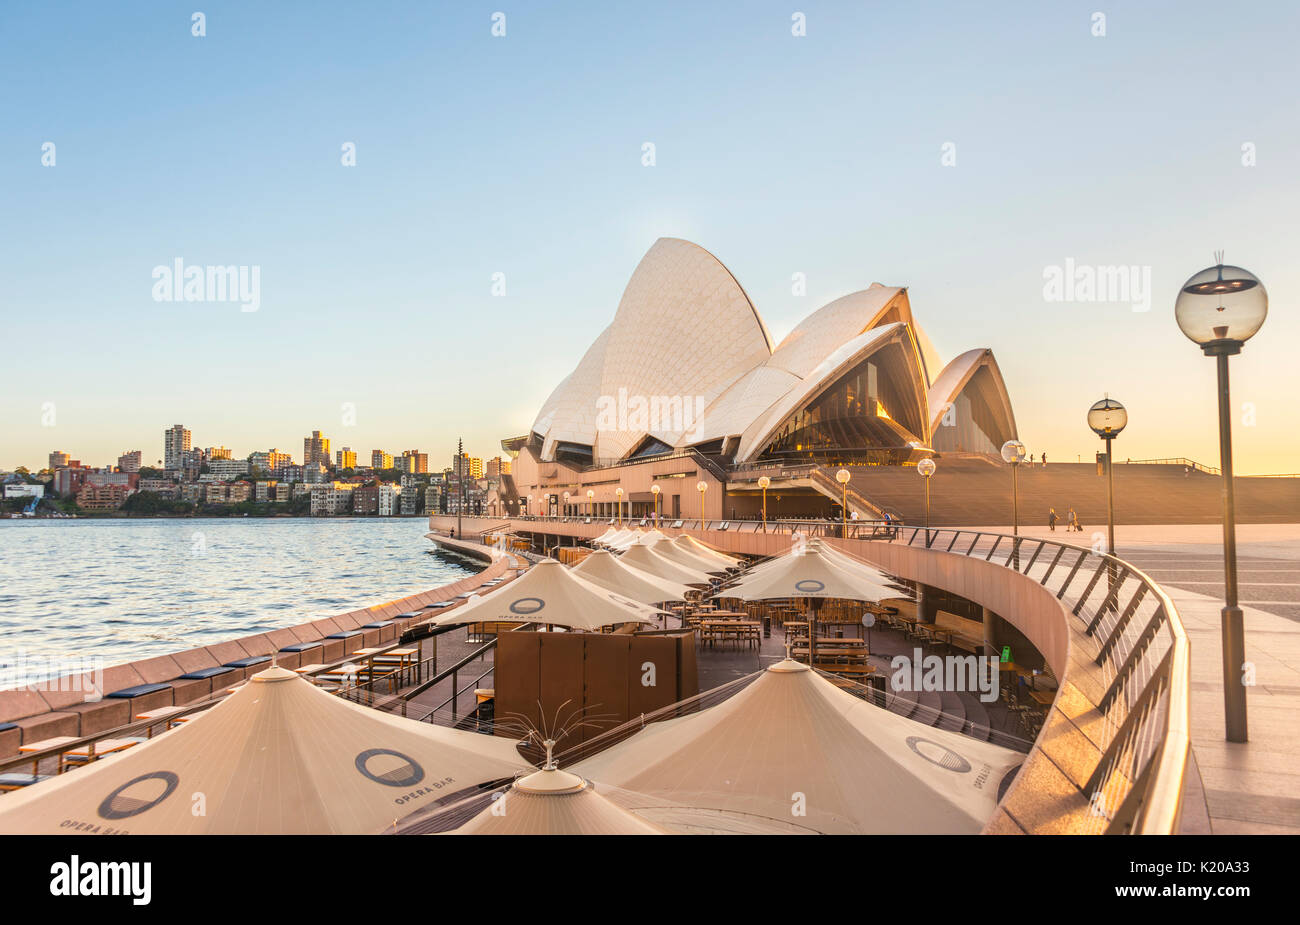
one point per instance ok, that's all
(128, 461)
(316, 449)
(271, 461)
(58, 459)
(471, 467)
(381, 460)
(497, 467)
(414, 462)
(388, 499)
(176, 442)
(217, 452)
(346, 458)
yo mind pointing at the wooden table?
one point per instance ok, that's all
(741, 630)
(96, 750)
(44, 744)
(152, 715)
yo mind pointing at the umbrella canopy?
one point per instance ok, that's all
(605, 537)
(554, 802)
(629, 538)
(620, 538)
(651, 536)
(690, 559)
(691, 544)
(278, 756)
(812, 573)
(607, 570)
(648, 559)
(792, 752)
(552, 594)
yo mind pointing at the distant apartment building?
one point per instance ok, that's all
(58, 460)
(365, 500)
(264, 491)
(315, 449)
(290, 473)
(497, 467)
(345, 458)
(129, 461)
(380, 460)
(331, 498)
(68, 482)
(165, 487)
(433, 499)
(470, 466)
(228, 492)
(223, 470)
(408, 500)
(414, 462)
(315, 474)
(193, 492)
(101, 477)
(176, 443)
(217, 452)
(389, 495)
(107, 497)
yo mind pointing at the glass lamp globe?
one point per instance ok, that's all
(701, 487)
(926, 467)
(654, 489)
(843, 476)
(619, 491)
(1107, 418)
(1013, 451)
(764, 482)
(590, 494)
(1221, 307)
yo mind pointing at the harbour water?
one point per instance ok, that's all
(121, 590)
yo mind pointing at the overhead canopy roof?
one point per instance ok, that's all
(278, 756)
(791, 752)
(552, 594)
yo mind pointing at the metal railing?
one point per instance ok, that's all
(1138, 677)
(1174, 461)
(861, 529)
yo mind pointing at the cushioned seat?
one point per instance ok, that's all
(14, 780)
(248, 662)
(138, 690)
(378, 624)
(301, 646)
(345, 635)
(204, 673)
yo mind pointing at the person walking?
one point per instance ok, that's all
(1051, 519)
(1071, 519)
(1044, 457)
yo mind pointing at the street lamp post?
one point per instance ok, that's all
(1013, 452)
(843, 477)
(528, 508)
(701, 486)
(618, 493)
(566, 503)
(591, 497)
(654, 490)
(1107, 418)
(763, 483)
(926, 467)
(1219, 309)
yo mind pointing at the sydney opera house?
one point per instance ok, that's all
(685, 392)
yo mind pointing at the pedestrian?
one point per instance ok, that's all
(1051, 519)
(1044, 460)
(1071, 519)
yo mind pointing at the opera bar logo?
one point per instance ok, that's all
(198, 283)
(76, 877)
(633, 413)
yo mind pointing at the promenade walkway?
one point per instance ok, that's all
(1254, 787)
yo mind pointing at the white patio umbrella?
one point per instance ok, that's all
(691, 544)
(609, 534)
(627, 539)
(691, 559)
(552, 594)
(278, 756)
(609, 571)
(814, 573)
(555, 802)
(648, 559)
(791, 752)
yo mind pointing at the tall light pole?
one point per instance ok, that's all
(591, 507)
(1107, 418)
(843, 477)
(654, 490)
(926, 467)
(1013, 452)
(460, 487)
(701, 486)
(1219, 309)
(618, 493)
(566, 503)
(528, 508)
(763, 483)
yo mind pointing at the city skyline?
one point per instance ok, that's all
(450, 277)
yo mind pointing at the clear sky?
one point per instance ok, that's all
(522, 155)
